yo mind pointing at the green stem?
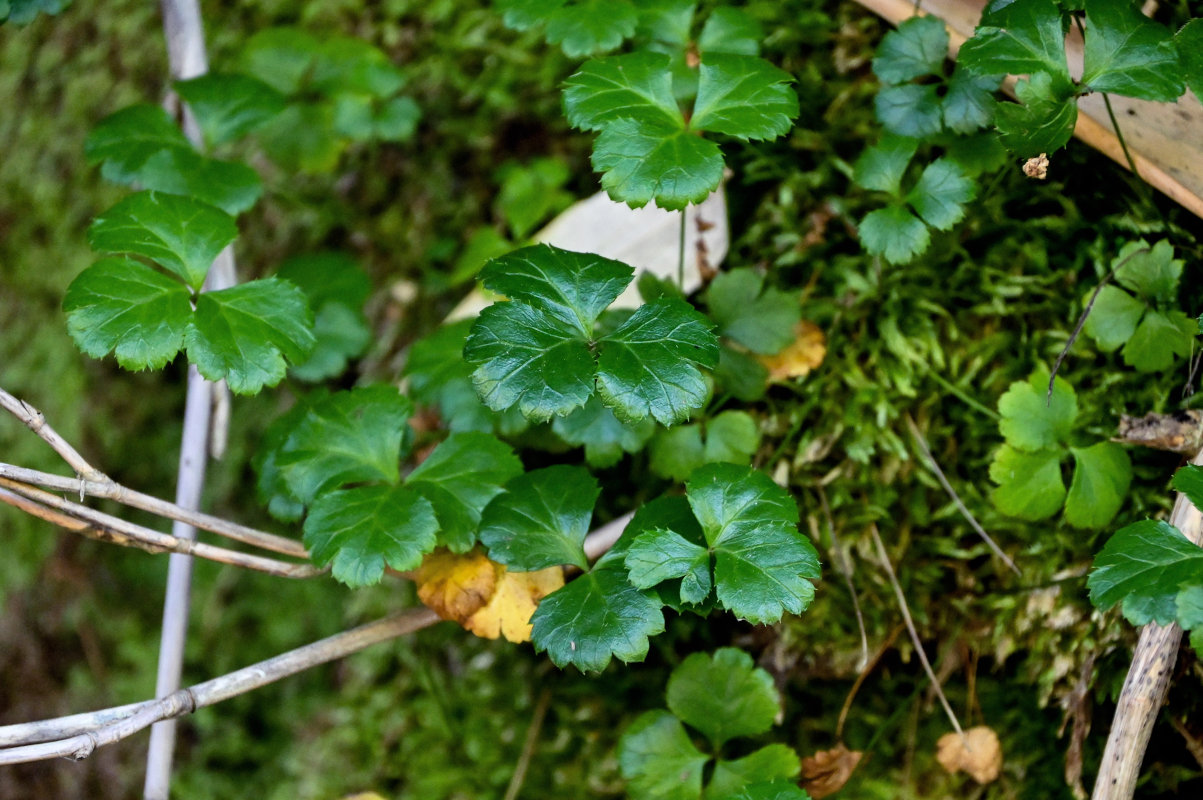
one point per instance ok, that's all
(949, 386)
(681, 253)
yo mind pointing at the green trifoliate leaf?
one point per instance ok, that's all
(723, 695)
(1144, 566)
(1024, 38)
(1158, 339)
(1189, 41)
(636, 87)
(730, 30)
(1042, 122)
(439, 377)
(244, 334)
(772, 790)
(1150, 271)
(941, 194)
(604, 436)
(180, 233)
(743, 96)
(230, 186)
(337, 289)
(361, 530)
(1127, 53)
(349, 437)
(650, 365)
(763, 565)
(761, 319)
(881, 167)
(910, 110)
(917, 48)
(123, 141)
(1113, 318)
(1030, 421)
(1189, 481)
(459, 478)
(542, 519)
(589, 27)
(661, 555)
(530, 194)
(894, 233)
(755, 773)
(1029, 484)
(969, 104)
(598, 616)
(1102, 473)
(659, 761)
(124, 306)
(731, 436)
(642, 161)
(229, 106)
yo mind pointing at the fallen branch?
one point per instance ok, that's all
(36, 422)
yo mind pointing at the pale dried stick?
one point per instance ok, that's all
(36, 422)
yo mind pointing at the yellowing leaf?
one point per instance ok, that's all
(365, 796)
(978, 753)
(826, 772)
(483, 596)
(806, 352)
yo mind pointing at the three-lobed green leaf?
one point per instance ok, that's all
(542, 519)
(1143, 567)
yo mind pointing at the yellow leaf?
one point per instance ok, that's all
(978, 752)
(806, 352)
(482, 596)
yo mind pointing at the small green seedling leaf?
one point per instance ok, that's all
(723, 695)
(881, 167)
(731, 436)
(229, 106)
(1102, 473)
(730, 30)
(759, 318)
(1127, 53)
(658, 759)
(894, 233)
(1150, 271)
(1031, 422)
(337, 289)
(530, 194)
(771, 790)
(969, 104)
(579, 27)
(1029, 483)
(604, 436)
(763, 773)
(917, 48)
(179, 233)
(459, 478)
(941, 194)
(1143, 567)
(641, 162)
(910, 110)
(636, 87)
(661, 555)
(743, 96)
(1113, 318)
(542, 519)
(1041, 122)
(123, 141)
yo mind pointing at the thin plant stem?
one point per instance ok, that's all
(528, 745)
(36, 422)
(964, 397)
(845, 570)
(681, 252)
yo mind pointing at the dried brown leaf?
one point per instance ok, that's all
(978, 753)
(826, 772)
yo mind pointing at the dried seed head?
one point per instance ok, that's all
(1037, 167)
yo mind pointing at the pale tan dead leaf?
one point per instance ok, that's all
(977, 753)
(806, 352)
(482, 596)
(365, 796)
(826, 772)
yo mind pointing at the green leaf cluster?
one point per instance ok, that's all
(242, 335)
(1138, 314)
(721, 697)
(339, 457)
(1027, 469)
(307, 99)
(899, 232)
(546, 350)
(336, 289)
(731, 436)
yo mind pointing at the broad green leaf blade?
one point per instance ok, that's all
(641, 162)
(604, 436)
(1189, 481)
(1127, 53)
(660, 555)
(589, 27)
(1030, 422)
(881, 167)
(529, 359)
(731, 436)
(1113, 318)
(459, 478)
(909, 110)
(763, 564)
(180, 233)
(1144, 566)
(1189, 41)
(124, 140)
(123, 306)
(283, 58)
(1029, 484)
(361, 530)
(761, 319)
(743, 96)
(230, 186)
(772, 762)
(635, 87)
(1028, 39)
(341, 334)
(969, 104)
(658, 759)
(337, 289)
(730, 30)
(917, 48)
(941, 194)
(596, 617)
(1159, 338)
(349, 437)
(650, 365)
(1042, 122)
(1190, 610)
(271, 487)
(439, 377)
(229, 106)
(1150, 271)
(894, 233)
(541, 520)
(244, 334)
(724, 696)
(574, 287)
(1102, 473)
